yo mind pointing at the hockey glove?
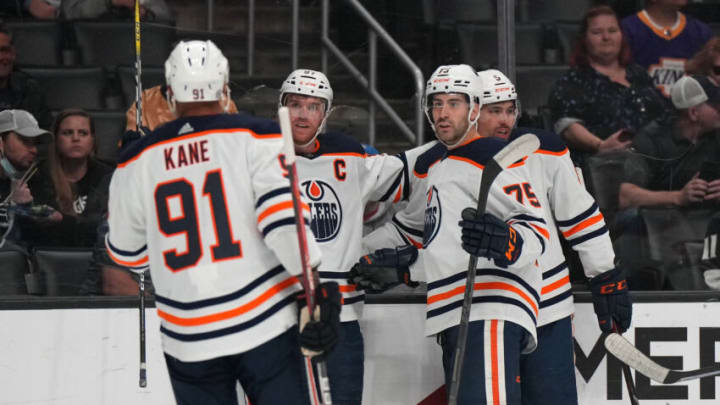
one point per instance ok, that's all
(319, 335)
(384, 269)
(489, 236)
(611, 300)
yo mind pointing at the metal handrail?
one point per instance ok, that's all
(375, 30)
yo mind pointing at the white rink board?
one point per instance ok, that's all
(90, 356)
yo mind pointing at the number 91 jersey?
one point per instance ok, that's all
(203, 202)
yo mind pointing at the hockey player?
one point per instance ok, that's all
(338, 178)
(202, 202)
(505, 304)
(570, 211)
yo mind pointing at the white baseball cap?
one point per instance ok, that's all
(691, 91)
(21, 122)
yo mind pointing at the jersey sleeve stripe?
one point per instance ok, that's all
(555, 270)
(221, 299)
(136, 263)
(279, 207)
(399, 194)
(583, 216)
(544, 232)
(271, 194)
(353, 300)
(555, 285)
(519, 163)
(588, 236)
(556, 299)
(523, 217)
(582, 225)
(194, 337)
(396, 183)
(121, 252)
(283, 222)
(407, 229)
(537, 235)
(222, 316)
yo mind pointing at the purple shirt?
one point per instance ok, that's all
(664, 50)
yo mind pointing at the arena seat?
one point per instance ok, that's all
(37, 43)
(533, 84)
(478, 44)
(61, 270)
(13, 267)
(80, 87)
(109, 128)
(106, 43)
(151, 77)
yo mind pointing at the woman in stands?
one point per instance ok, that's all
(603, 98)
(706, 61)
(74, 184)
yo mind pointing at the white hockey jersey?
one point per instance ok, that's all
(571, 213)
(338, 179)
(203, 202)
(511, 293)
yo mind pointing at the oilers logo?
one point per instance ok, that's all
(325, 209)
(433, 216)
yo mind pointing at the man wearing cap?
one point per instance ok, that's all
(672, 163)
(19, 139)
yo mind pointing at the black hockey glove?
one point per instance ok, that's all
(611, 300)
(384, 269)
(489, 236)
(319, 335)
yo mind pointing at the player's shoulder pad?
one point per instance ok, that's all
(478, 151)
(188, 126)
(429, 157)
(336, 142)
(549, 141)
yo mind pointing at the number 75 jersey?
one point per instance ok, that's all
(203, 202)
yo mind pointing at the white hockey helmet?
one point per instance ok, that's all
(197, 71)
(307, 82)
(460, 79)
(496, 88)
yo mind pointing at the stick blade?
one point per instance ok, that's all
(288, 148)
(517, 149)
(619, 347)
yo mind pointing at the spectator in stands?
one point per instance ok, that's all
(706, 61)
(156, 10)
(20, 136)
(73, 182)
(18, 89)
(673, 163)
(603, 94)
(662, 39)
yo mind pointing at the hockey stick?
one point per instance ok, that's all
(138, 122)
(310, 280)
(629, 383)
(630, 355)
(512, 152)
